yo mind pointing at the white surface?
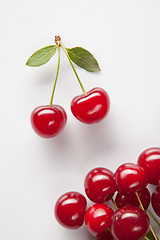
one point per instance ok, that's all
(124, 36)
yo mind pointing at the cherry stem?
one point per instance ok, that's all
(55, 82)
(114, 203)
(152, 216)
(64, 49)
(139, 200)
(146, 238)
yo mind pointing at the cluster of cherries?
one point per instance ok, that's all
(130, 221)
(90, 107)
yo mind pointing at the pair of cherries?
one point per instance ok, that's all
(92, 107)
(129, 221)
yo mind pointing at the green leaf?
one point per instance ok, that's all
(83, 59)
(41, 56)
(150, 236)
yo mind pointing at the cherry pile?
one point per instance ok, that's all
(129, 218)
(90, 107)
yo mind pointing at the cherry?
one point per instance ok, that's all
(149, 159)
(98, 218)
(106, 236)
(130, 223)
(131, 199)
(48, 121)
(91, 107)
(130, 178)
(100, 185)
(156, 201)
(70, 210)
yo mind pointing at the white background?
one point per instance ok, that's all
(124, 36)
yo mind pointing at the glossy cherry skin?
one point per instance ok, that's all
(131, 199)
(156, 201)
(70, 210)
(150, 161)
(48, 121)
(98, 218)
(100, 185)
(130, 223)
(91, 107)
(130, 178)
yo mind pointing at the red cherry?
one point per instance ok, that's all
(98, 218)
(150, 161)
(130, 178)
(130, 223)
(107, 236)
(70, 210)
(48, 121)
(156, 201)
(100, 185)
(131, 199)
(91, 107)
